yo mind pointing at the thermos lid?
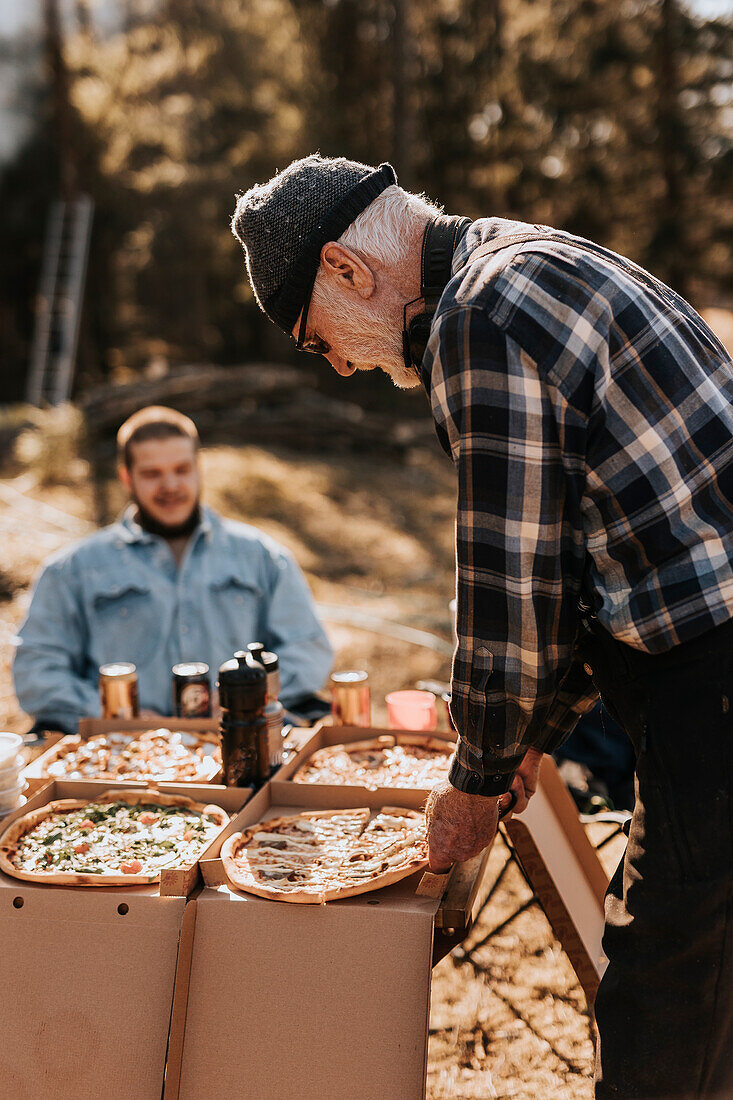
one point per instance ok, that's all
(255, 648)
(270, 661)
(242, 669)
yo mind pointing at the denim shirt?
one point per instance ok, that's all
(120, 596)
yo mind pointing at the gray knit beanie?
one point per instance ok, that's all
(284, 224)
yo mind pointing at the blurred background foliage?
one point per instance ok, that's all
(610, 118)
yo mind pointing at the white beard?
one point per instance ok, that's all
(379, 345)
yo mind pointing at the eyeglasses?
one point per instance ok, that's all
(315, 345)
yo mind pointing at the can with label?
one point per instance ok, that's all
(118, 690)
(350, 698)
(191, 690)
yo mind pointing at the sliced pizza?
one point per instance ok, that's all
(324, 855)
(387, 761)
(120, 838)
(162, 754)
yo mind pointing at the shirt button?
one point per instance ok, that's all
(473, 782)
(587, 669)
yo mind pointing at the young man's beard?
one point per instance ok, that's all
(154, 526)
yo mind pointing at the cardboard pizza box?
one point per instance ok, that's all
(565, 873)
(324, 735)
(308, 1000)
(90, 974)
(174, 881)
(35, 772)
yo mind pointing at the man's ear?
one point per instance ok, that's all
(124, 475)
(344, 267)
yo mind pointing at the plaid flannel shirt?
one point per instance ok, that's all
(588, 410)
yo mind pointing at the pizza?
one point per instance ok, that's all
(162, 754)
(120, 838)
(414, 762)
(322, 855)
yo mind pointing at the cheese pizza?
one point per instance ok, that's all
(162, 754)
(387, 761)
(323, 855)
(119, 838)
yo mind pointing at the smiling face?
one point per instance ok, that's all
(163, 479)
(355, 317)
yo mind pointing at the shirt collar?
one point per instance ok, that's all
(481, 232)
(132, 532)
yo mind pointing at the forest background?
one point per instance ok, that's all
(609, 118)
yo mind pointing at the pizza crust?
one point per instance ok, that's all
(244, 879)
(25, 824)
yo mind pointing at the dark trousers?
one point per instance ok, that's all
(665, 1005)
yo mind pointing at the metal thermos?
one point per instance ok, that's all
(274, 709)
(243, 728)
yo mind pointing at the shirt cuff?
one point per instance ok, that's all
(490, 784)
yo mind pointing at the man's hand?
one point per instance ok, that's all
(459, 825)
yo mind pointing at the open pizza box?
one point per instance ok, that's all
(89, 972)
(324, 735)
(314, 1000)
(203, 731)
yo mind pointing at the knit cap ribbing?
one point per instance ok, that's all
(282, 223)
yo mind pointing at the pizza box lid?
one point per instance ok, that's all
(324, 735)
(174, 881)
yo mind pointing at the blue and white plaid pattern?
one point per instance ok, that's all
(588, 410)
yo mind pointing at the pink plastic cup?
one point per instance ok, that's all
(411, 710)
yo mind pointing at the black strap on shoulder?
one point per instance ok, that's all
(440, 239)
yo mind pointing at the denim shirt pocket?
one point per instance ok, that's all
(125, 622)
(236, 602)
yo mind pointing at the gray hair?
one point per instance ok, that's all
(385, 230)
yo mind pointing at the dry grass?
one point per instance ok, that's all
(510, 1020)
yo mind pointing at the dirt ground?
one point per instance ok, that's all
(375, 540)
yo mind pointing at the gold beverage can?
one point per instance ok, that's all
(118, 690)
(350, 698)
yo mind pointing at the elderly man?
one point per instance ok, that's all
(589, 413)
(172, 581)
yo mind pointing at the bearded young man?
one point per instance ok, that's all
(589, 413)
(172, 581)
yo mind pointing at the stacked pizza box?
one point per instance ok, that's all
(188, 928)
